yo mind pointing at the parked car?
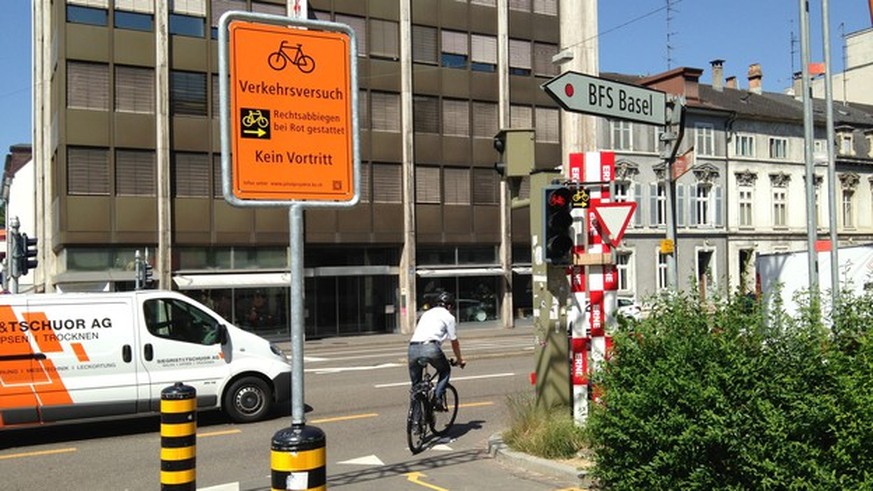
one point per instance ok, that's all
(629, 307)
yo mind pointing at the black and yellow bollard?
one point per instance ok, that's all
(297, 459)
(178, 438)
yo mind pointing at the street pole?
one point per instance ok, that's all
(808, 158)
(832, 173)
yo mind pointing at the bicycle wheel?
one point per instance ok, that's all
(416, 429)
(277, 61)
(306, 64)
(443, 421)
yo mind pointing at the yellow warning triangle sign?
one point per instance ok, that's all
(613, 219)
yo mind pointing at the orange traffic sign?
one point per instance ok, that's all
(291, 114)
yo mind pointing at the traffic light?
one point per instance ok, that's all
(27, 255)
(147, 272)
(516, 149)
(558, 225)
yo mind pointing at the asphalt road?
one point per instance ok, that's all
(356, 391)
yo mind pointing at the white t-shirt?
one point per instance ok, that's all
(435, 324)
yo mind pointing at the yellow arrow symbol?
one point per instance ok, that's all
(416, 478)
(260, 132)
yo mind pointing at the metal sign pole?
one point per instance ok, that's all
(298, 416)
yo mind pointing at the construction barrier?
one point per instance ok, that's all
(297, 459)
(178, 438)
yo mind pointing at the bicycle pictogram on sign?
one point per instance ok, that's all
(254, 123)
(280, 58)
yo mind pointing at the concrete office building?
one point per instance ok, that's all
(126, 148)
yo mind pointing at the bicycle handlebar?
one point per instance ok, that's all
(453, 362)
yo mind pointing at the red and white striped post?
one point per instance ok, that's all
(593, 285)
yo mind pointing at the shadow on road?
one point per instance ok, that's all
(403, 468)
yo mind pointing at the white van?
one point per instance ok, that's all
(73, 356)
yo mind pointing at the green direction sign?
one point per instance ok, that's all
(581, 93)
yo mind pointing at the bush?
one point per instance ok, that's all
(548, 433)
(734, 397)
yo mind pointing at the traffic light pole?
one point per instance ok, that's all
(13, 255)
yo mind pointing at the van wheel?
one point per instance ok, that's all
(248, 399)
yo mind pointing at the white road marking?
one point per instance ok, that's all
(454, 379)
(368, 460)
(326, 370)
(231, 486)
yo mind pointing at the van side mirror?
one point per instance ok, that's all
(222, 334)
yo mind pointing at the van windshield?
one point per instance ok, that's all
(173, 319)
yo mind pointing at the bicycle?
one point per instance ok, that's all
(423, 420)
(279, 59)
(254, 117)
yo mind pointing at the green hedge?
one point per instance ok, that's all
(733, 397)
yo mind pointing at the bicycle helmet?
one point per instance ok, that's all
(445, 299)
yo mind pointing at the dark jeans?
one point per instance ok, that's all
(436, 358)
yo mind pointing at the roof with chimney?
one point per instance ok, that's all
(752, 104)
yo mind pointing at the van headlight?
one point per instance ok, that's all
(278, 351)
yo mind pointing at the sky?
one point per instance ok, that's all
(633, 39)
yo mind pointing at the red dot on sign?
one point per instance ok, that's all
(568, 89)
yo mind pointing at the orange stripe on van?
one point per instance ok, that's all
(81, 355)
(28, 382)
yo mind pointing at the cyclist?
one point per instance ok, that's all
(435, 325)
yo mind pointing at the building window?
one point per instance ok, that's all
(542, 59)
(359, 25)
(87, 85)
(386, 183)
(364, 189)
(187, 25)
(658, 198)
(848, 209)
(363, 110)
(87, 171)
(424, 44)
(426, 114)
(545, 7)
(385, 108)
(624, 270)
(485, 187)
(134, 21)
(187, 93)
(778, 148)
(621, 135)
(744, 146)
(704, 139)
(520, 5)
(702, 207)
(846, 141)
(217, 183)
(134, 89)
(485, 120)
(77, 14)
(220, 7)
(519, 57)
(135, 173)
(745, 204)
(454, 52)
(456, 118)
(427, 185)
(457, 186)
(384, 39)
(269, 8)
(547, 125)
(779, 207)
(191, 172)
(663, 282)
(483, 51)
(520, 116)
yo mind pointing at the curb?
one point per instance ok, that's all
(499, 450)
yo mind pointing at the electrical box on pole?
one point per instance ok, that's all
(516, 148)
